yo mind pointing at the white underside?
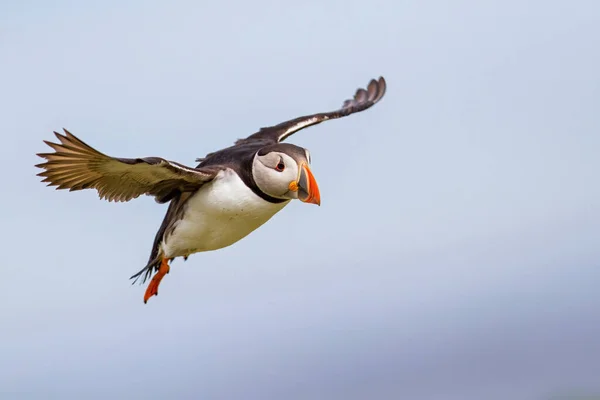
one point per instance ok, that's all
(221, 213)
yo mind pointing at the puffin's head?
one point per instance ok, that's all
(282, 171)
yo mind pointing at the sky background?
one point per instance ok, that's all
(456, 254)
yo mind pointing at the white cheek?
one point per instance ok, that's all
(280, 182)
(291, 176)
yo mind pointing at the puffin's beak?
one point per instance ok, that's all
(308, 190)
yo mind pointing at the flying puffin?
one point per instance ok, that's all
(230, 193)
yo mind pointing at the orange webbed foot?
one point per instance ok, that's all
(152, 289)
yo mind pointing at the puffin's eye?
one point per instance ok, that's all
(280, 166)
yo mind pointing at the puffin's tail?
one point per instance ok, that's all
(160, 265)
(150, 268)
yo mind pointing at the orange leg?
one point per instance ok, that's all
(152, 289)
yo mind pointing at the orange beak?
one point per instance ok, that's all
(308, 190)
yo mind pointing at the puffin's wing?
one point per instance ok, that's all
(363, 99)
(74, 165)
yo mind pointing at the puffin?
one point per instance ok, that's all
(228, 195)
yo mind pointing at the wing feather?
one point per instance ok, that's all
(74, 165)
(362, 100)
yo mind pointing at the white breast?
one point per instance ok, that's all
(218, 215)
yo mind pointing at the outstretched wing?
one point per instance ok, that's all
(75, 166)
(363, 99)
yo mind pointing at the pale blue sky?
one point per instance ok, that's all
(456, 254)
